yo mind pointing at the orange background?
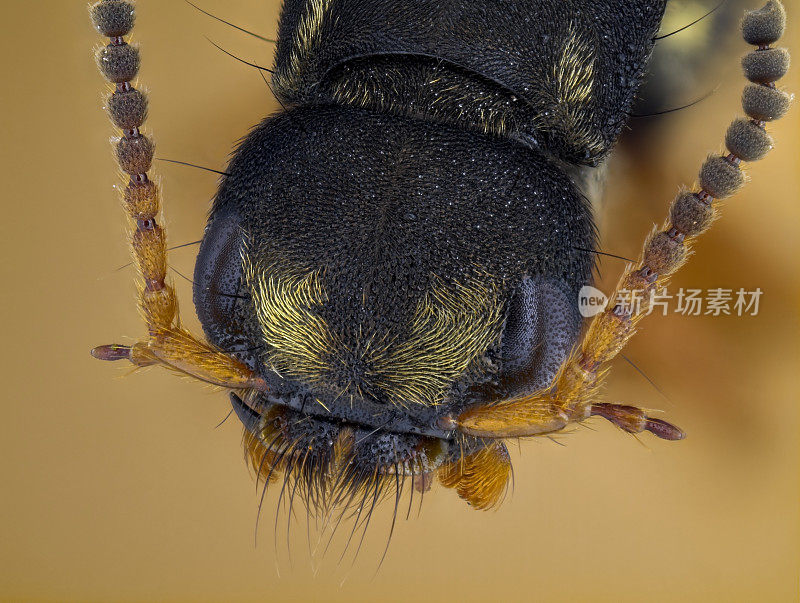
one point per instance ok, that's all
(119, 487)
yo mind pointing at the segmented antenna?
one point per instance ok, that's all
(691, 213)
(119, 63)
(168, 344)
(576, 387)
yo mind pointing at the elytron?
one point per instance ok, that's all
(389, 277)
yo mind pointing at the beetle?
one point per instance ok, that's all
(389, 277)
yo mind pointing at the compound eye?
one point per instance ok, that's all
(542, 326)
(219, 297)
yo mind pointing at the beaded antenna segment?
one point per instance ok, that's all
(333, 466)
(573, 396)
(167, 343)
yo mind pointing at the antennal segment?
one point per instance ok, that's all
(691, 213)
(573, 395)
(119, 63)
(168, 344)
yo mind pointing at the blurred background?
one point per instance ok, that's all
(119, 487)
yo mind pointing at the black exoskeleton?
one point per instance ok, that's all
(410, 236)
